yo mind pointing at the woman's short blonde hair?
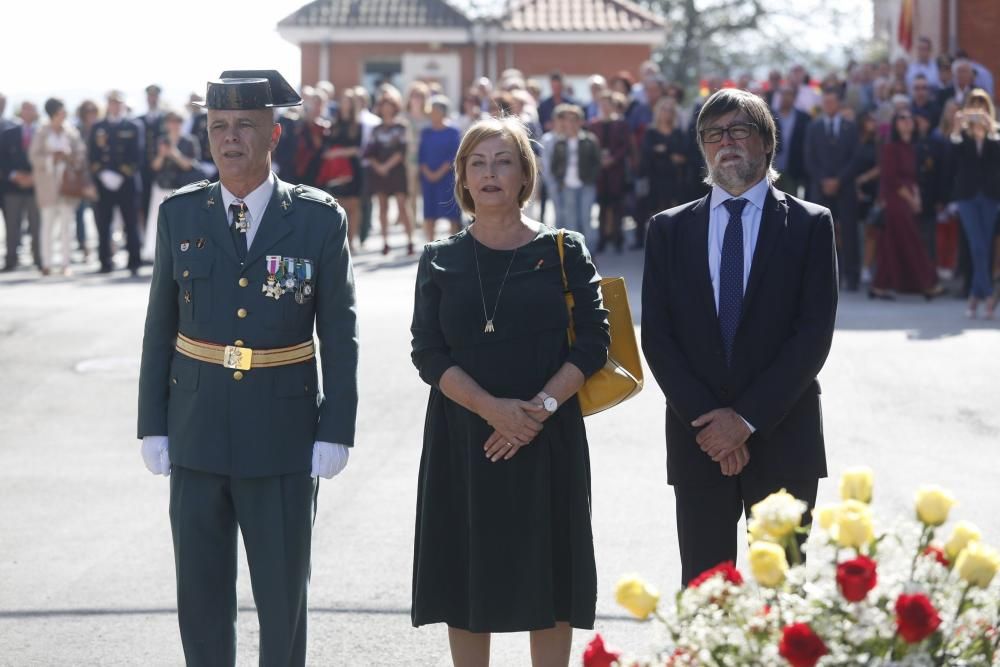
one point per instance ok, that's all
(507, 127)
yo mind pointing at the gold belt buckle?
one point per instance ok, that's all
(237, 357)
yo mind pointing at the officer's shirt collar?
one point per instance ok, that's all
(256, 203)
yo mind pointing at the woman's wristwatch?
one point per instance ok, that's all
(549, 402)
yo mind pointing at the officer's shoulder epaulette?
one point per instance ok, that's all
(188, 189)
(309, 193)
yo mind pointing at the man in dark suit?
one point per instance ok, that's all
(17, 184)
(230, 402)
(830, 144)
(790, 156)
(115, 152)
(739, 297)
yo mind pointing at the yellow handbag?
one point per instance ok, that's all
(621, 377)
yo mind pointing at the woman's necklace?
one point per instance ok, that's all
(489, 328)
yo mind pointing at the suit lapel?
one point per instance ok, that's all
(274, 226)
(772, 224)
(214, 218)
(699, 259)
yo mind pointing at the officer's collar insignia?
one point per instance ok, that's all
(211, 201)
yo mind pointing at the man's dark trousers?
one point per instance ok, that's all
(275, 515)
(17, 206)
(725, 502)
(125, 200)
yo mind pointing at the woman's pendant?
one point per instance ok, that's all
(489, 327)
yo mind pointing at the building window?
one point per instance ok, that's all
(377, 72)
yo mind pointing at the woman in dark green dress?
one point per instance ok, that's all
(503, 540)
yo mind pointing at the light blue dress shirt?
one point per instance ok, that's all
(718, 220)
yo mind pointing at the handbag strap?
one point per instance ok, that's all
(570, 303)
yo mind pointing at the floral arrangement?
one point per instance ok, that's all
(893, 596)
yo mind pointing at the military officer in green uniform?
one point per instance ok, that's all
(230, 403)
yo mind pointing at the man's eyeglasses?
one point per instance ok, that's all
(736, 131)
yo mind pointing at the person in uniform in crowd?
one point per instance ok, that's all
(503, 539)
(115, 151)
(230, 406)
(17, 183)
(152, 130)
(55, 148)
(739, 301)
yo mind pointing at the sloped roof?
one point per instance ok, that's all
(377, 14)
(579, 16)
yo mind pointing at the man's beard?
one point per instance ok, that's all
(739, 175)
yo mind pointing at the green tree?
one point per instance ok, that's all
(732, 37)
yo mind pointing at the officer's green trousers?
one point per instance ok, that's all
(275, 515)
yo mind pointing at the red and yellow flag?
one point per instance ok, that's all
(905, 34)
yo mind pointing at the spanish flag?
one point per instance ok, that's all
(905, 34)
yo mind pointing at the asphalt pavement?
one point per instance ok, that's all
(86, 567)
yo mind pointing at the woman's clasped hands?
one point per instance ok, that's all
(515, 424)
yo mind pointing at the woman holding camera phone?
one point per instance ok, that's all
(977, 190)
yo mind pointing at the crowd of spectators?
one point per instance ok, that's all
(905, 152)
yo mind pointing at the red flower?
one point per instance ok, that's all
(596, 655)
(856, 577)
(800, 646)
(727, 570)
(938, 554)
(916, 617)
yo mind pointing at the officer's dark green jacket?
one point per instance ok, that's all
(266, 422)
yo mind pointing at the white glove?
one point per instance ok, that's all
(155, 454)
(112, 180)
(329, 458)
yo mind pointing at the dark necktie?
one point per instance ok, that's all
(731, 276)
(239, 237)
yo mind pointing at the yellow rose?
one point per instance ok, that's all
(962, 534)
(826, 516)
(638, 598)
(977, 564)
(768, 563)
(853, 524)
(933, 505)
(856, 484)
(756, 530)
(778, 515)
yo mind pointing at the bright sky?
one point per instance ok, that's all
(76, 49)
